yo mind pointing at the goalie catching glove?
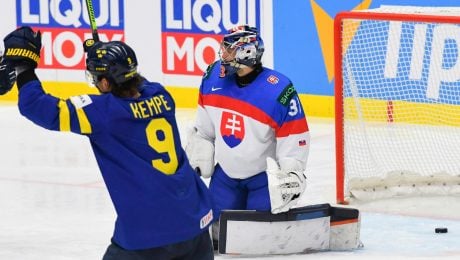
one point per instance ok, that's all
(200, 153)
(285, 186)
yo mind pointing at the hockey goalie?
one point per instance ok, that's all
(251, 138)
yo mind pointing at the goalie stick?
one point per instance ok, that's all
(92, 20)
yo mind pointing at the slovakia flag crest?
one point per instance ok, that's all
(232, 128)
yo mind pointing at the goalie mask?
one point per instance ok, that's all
(241, 47)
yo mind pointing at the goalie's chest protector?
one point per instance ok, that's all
(245, 120)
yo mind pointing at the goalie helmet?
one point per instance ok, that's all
(114, 60)
(241, 47)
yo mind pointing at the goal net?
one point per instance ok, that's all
(397, 94)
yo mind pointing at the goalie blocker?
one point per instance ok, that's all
(301, 230)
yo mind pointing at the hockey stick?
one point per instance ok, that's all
(92, 20)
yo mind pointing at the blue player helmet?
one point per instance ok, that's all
(241, 47)
(114, 60)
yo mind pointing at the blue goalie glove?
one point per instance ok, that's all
(7, 76)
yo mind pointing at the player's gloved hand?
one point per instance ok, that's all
(22, 47)
(285, 186)
(200, 153)
(7, 76)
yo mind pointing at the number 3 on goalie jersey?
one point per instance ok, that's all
(162, 143)
(294, 107)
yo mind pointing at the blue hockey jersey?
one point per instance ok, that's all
(158, 197)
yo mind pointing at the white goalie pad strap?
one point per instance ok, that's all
(285, 187)
(200, 153)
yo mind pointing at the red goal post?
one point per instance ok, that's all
(397, 102)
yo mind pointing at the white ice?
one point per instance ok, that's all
(54, 205)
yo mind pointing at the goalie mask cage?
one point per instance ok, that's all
(397, 98)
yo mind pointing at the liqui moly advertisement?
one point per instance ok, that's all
(191, 31)
(174, 40)
(64, 25)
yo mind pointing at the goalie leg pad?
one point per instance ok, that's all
(345, 229)
(300, 230)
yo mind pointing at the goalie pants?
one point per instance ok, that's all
(199, 247)
(239, 194)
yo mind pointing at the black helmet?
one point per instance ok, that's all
(114, 60)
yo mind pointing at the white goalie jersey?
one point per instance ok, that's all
(248, 124)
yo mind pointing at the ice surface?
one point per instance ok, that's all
(54, 205)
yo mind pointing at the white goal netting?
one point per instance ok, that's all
(399, 101)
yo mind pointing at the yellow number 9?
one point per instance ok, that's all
(165, 145)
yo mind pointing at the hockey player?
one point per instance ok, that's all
(251, 135)
(163, 208)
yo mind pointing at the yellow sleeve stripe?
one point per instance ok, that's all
(85, 126)
(64, 116)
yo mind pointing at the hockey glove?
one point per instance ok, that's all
(22, 47)
(200, 153)
(7, 76)
(285, 187)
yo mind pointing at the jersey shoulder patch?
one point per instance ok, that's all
(286, 95)
(273, 78)
(81, 101)
(279, 84)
